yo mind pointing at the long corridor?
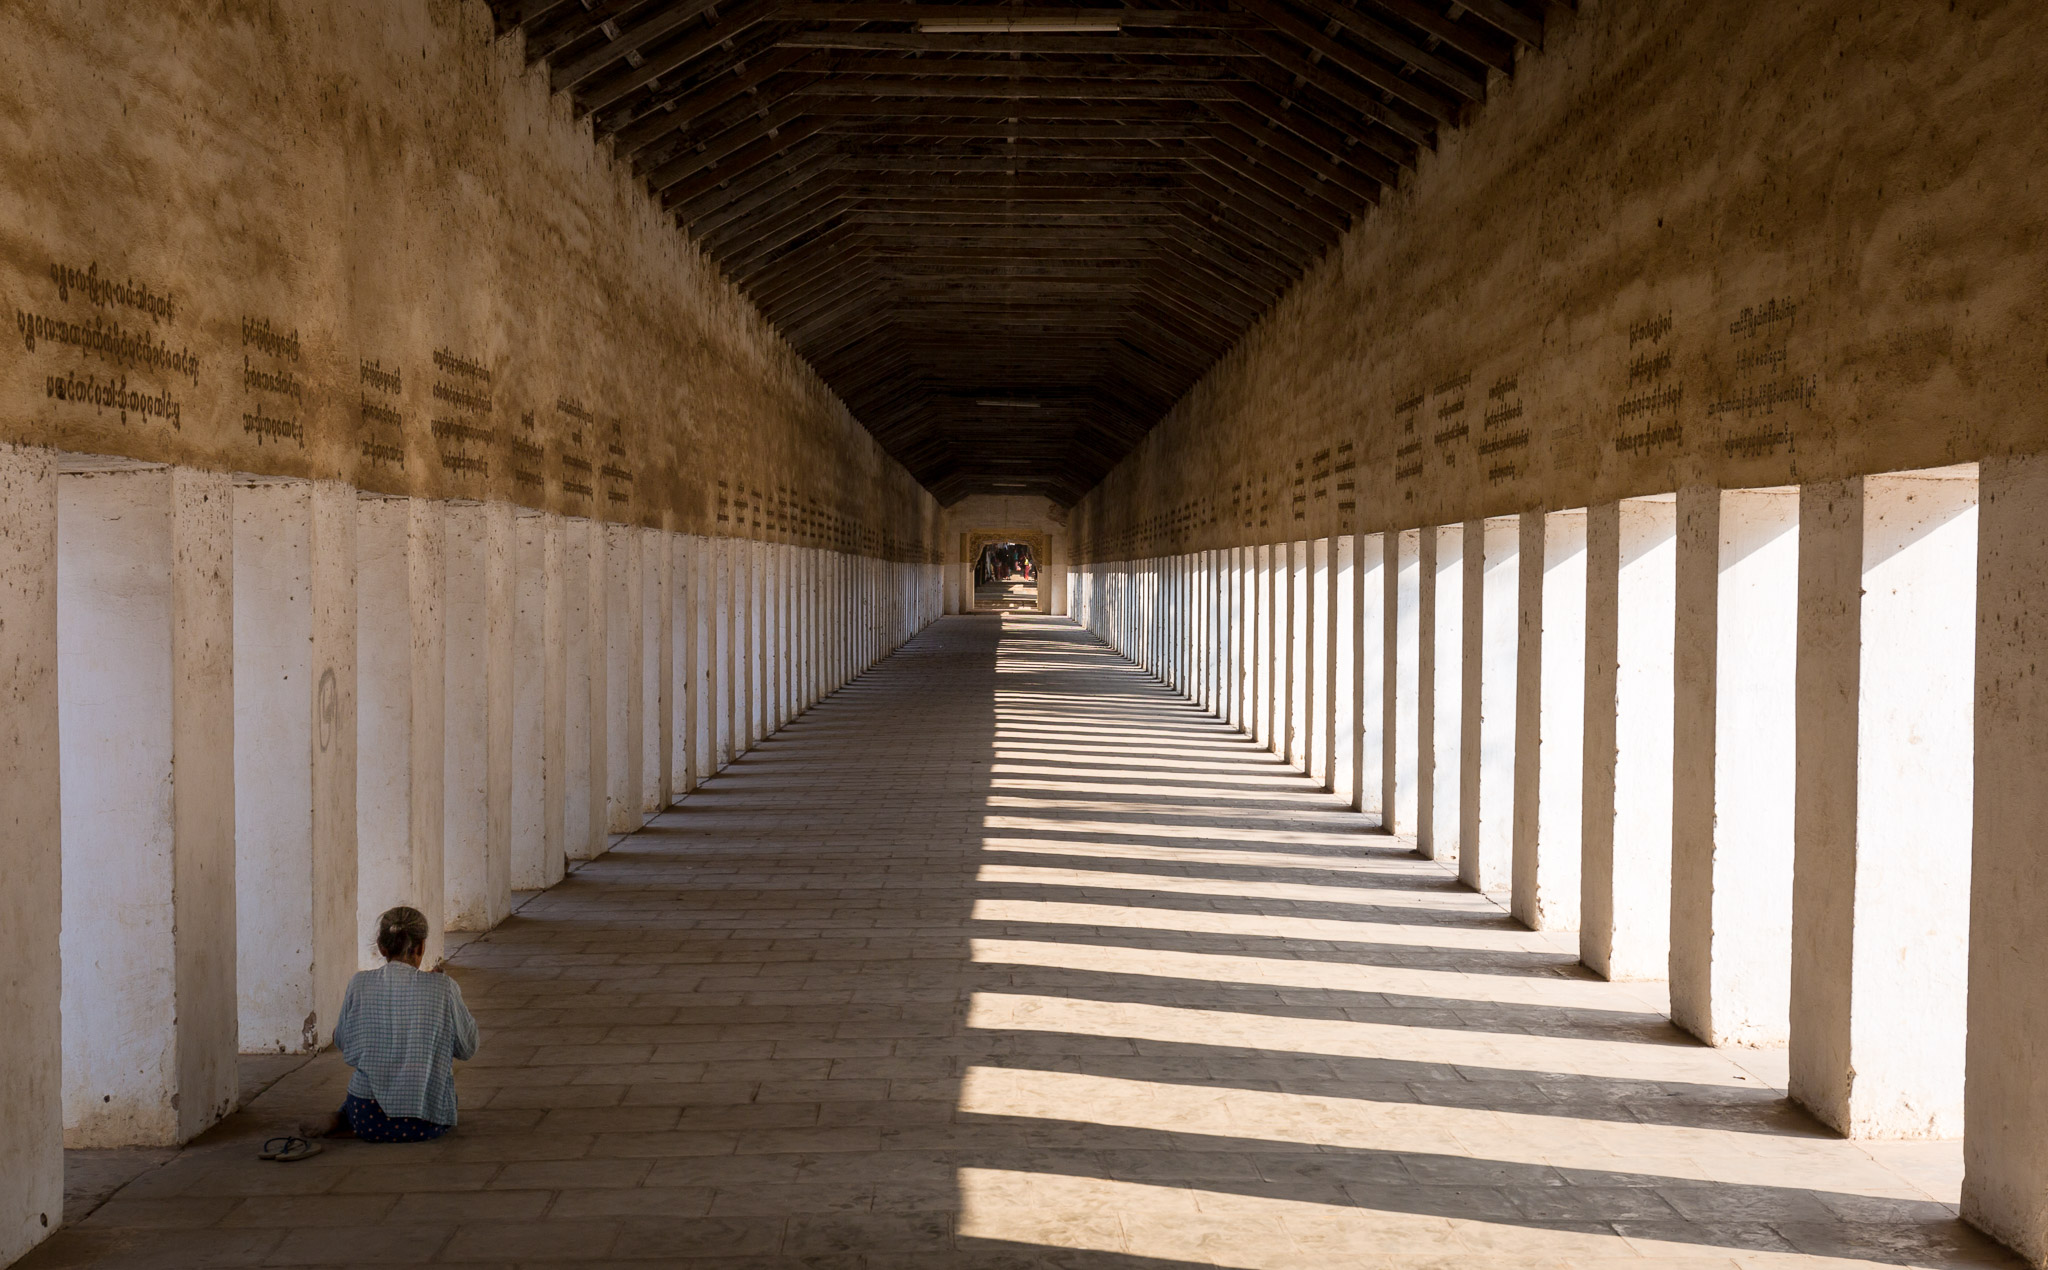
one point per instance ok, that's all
(1006, 956)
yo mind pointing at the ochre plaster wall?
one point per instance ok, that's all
(1720, 243)
(359, 239)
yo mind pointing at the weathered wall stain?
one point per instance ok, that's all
(1686, 244)
(359, 240)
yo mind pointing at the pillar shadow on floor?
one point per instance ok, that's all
(1004, 957)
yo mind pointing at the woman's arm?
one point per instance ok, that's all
(464, 1023)
(345, 1027)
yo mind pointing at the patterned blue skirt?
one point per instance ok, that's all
(372, 1125)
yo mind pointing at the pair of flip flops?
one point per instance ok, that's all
(286, 1149)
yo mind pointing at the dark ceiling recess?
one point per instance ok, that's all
(1011, 236)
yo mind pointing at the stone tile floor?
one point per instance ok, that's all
(1004, 957)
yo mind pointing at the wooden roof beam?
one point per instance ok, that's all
(1352, 62)
(1508, 20)
(1393, 44)
(916, 41)
(663, 21)
(597, 93)
(733, 80)
(1480, 46)
(1128, 18)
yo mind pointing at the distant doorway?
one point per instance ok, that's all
(1006, 578)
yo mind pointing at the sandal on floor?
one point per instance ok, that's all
(286, 1150)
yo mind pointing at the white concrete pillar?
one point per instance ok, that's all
(1881, 871)
(295, 760)
(540, 672)
(625, 681)
(1218, 584)
(477, 839)
(400, 759)
(583, 703)
(2005, 1130)
(686, 696)
(1342, 723)
(1221, 588)
(1292, 638)
(603, 699)
(1550, 705)
(842, 622)
(145, 686)
(1368, 689)
(817, 637)
(1442, 676)
(1625, 906)
(1315, 682)
(1233, 640)
(1265, 611)
(793, 631)
(1401, 696)
(724, 685)
(806, 628)
(1336, 561)
(752, 644)
(737, 643)
(1191, 616)
(786, 657)
(1486, 732)
(657, 687)
(1735, 645)
(771, 638)
(31, 857)
(1139, 584)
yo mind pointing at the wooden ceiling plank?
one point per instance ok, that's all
(737, 80)
(737, 242)
(1025, 111)
(1277, 145)
(973, 70)
(1301, 31)
(1393, 44)
(1130, 18)
(597, 94)
(1227, 188)
(780, 177)
(1284, 179)
(1267, 112)
(1381, 129)
(1067, 89)
(665, 20)
(915, 41)
(1473, 44)
(688, 176)
(1508, 20)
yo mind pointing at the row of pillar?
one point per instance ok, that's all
(246, 715)
(1780, 746)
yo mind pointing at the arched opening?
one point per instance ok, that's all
(1006, 578)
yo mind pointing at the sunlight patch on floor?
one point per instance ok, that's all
(1261, 1232)
(1168, 884)
(1461, 1046)
(1676, 1152)
(1373, 865)
(1350, 839)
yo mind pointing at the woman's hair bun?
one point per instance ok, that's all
(401, 932)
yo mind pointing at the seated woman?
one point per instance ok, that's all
(402, 1029)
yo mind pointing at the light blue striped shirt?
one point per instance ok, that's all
(402, 1030)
